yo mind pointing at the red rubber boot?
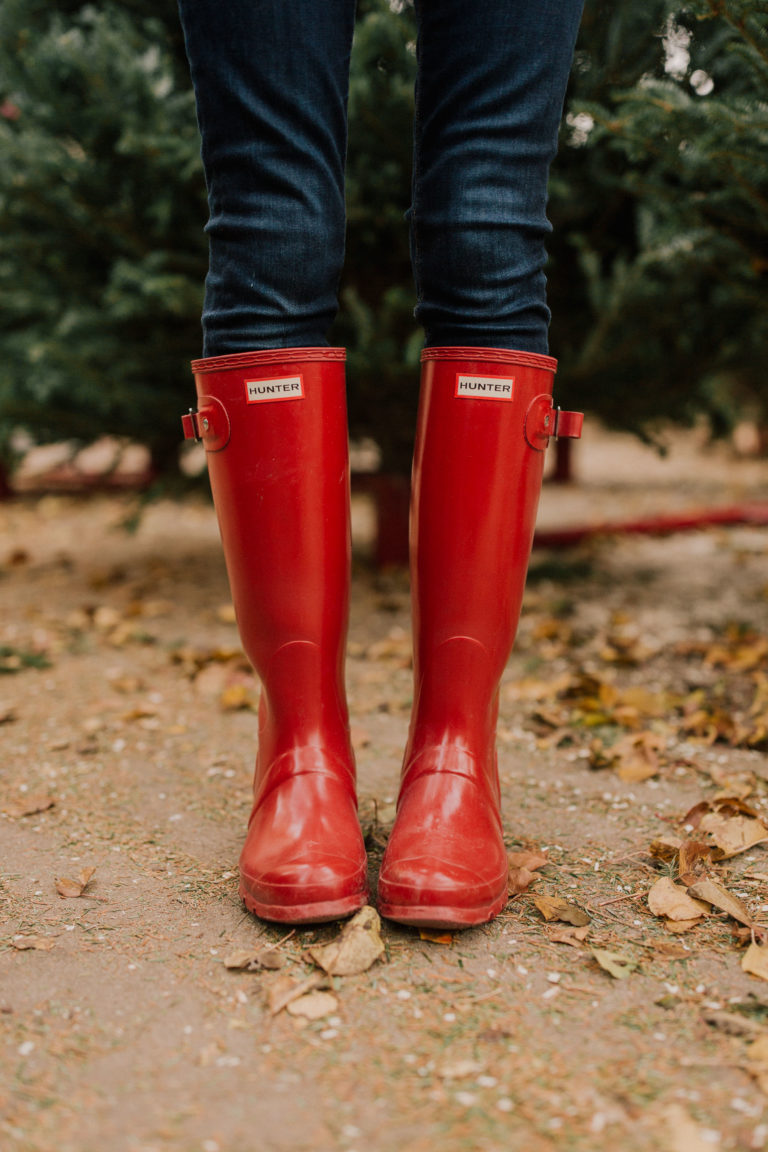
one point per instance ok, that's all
(485, 418)
(275, 429)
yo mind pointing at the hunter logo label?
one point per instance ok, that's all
(284, 388)
(485, 387)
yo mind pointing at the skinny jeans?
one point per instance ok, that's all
(271, 81)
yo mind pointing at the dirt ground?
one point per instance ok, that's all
(633, 720)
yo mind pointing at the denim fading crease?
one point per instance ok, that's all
(271, 80)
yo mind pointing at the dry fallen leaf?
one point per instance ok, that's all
(573, 936)
(666, 848)
(616, 964)
(237, 697)
(731, 1022)
(285, 990)
(679, 927)
(459, 1069)
(553, 908)
(245, 960)
(731, 825)
(73, 888)
(755, 960)
(733, 834)
(35, 943)
(718, 897)
(520, 880)
(435, 936)
(693, 853)
(313, 1006)
(29, 805)
(637, 756)
(670, 900)
(356, 949)
(680, 1133)
(528, 860)
(757, 1062)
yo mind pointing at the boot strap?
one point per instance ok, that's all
(542, 421)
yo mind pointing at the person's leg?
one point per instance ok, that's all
(489, 97)
(491, 83)
(271, 81)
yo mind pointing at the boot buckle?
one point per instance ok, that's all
(209, 424)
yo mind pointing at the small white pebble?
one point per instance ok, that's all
(466, 1099)
(505, 1104)
(449, 1017)
(403, 994)
(25, 1048)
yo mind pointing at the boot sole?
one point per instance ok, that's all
(441, 916)
(316, 913)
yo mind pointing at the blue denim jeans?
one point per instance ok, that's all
(271, 79)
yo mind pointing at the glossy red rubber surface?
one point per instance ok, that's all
(280, 479)
(476, 485)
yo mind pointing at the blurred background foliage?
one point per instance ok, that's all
(659, 200)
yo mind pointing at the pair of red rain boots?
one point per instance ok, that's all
(274, 426)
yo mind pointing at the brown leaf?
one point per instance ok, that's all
(692, 854)
(755, 960)
(572, 936)
(637, 756)
(435, 937)
(732, 834)
(732, 1023)
(616, 964)
(529, 860)
(679, 927)
(73, 888)
(36, 943)
(356, 949)
(757, 1062)
(666, 848)
(519, 880)
(718, 897)
(553, 908)
(313, 1005)
(237, 697)
(285, 990)
(245, 960)
(29, 804)
(670, 900)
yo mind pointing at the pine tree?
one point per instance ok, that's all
(102, 206)
(661, 216)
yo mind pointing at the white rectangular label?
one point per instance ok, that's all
(485, 387)
(284, 388)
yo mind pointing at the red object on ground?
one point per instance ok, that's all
(750, 513)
